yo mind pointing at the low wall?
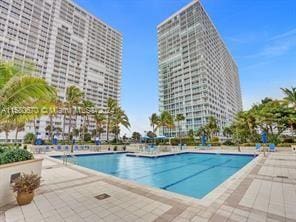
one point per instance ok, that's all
(8, 170)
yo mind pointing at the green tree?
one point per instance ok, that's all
(273, 118)
(73, 98)
(86, 106)
(227, 132)
(29, 138)
(18, 88)
(290, 96)
(111, 107)
(151, 134)
(119, 118)
(212, 126)
(165, 121)
(178, 119)
(6, 127)
(190, 133)
(100, 120)
(136, 137)
(154, 121)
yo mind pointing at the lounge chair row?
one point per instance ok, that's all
(152, 149)
(64, 148)
(271, 147)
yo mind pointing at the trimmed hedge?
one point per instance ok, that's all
(11, 155)
(188, 141)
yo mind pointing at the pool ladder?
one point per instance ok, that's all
(66, 159)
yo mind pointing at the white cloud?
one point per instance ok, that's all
(277, 45)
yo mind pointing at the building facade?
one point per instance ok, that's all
(197, 75)
(68, 45)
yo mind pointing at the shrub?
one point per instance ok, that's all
(215, 144)
(288, 140)
(248, 144)
(215, 139)
(26, 183)
(29, 138)
(115, 148)
(87, 137)
(228, 143)
(187, 140)
(15, 155)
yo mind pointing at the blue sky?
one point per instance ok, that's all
(260, 34)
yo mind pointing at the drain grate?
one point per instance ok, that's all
(47, 168)
(282, 177)
(102, 196)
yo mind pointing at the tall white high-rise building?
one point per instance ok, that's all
(197, 75)
(69, 46)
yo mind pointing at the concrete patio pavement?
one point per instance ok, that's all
(264, 190)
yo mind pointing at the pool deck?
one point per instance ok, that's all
(264, 190)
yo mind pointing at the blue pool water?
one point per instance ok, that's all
(189, 174)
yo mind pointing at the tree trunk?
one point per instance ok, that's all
(6, 136)
(16, 134)
(179, 133)
(83, 130)
(51, 127)
(70, 126)
(107, 129)
(34, 125)
(64, 125)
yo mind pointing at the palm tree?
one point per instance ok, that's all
(154, 121)
(227, 131)
(18, 88)
(6, 127)
(86, 105)
(165, 120)
(111, 106)
(52, 105)
(73, 98)
(290, 95)
(100, 120)
(119, 118)
(179, 118)
(212, 126)
(290, 99)
(19, 126)
(170, 125)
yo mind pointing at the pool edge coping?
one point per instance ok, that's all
(230, 183)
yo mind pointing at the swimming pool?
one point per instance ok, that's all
(190, 174)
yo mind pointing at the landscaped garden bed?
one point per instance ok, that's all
(13, 163)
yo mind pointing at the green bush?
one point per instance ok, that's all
(248, 144)
(228, 143)
(29, 138)
(215, 139)
(11, 155)
(288, 140)
(87, 137)
(215, 144)
(187, 140)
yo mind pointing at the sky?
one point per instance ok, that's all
(260, 34)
